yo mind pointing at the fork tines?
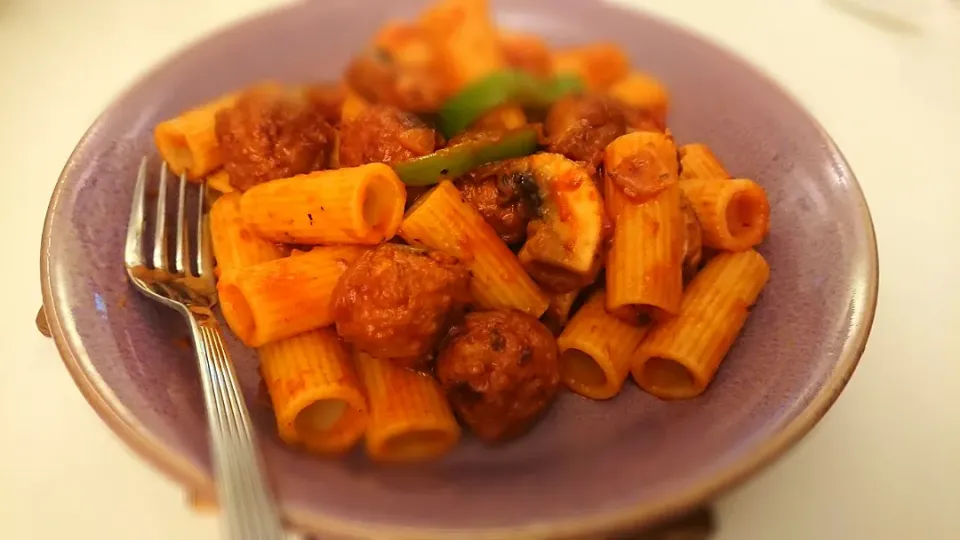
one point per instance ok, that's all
(135, 252)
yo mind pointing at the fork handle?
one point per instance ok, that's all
(249, 509)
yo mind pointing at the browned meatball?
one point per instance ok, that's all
(328, 99)
(384, 134)
(504, 196)
(500, 372)
(397, 301)
(580, 127)
(272, 133)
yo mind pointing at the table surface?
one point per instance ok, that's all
(884, 463)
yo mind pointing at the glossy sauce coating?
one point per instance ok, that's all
(397, 301)
(384, 134)
(500, 372)
(272, 133)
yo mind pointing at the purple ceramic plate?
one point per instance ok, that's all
(589, 467)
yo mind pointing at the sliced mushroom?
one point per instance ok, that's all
(565, 238)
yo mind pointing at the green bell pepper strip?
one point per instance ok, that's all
(456, 160)
(509, 86)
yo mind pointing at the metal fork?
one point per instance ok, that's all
(249, 509)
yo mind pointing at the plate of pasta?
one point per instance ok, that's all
(535, 270)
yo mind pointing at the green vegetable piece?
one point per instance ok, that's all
(510, 86)
(456, 160)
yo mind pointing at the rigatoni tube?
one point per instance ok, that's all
(410, 419)
(596, 350)
(278, 299)
(317, 397)
(680, 356)
(734, 214)
(188, 143)
(356, 205)
(234, 246)
(644, 263)
(441, 220)
(698, 161)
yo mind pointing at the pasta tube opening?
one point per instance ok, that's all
(317, 398)
(173, 146)
(747, 214)
(237, 312)
(580, 370)
(596, 350)
(734, 214)
(380, 213)
(410, 417)
(668, 379)
(320, 415)
(279, 299)
(353, 205)
(188, 142)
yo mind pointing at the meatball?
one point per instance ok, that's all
(504, 196)
(272, 133)
(397, 301)
(500, 372)
(381, 133)
(580, 127)
(328, 99)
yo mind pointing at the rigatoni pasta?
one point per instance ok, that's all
(526, 172)
(441, 220)
(356, 205)
(597, 349)
(317, 397)
(680, 356)
(697, 161)
(188, 143)
(645, 261)
(410, 419)
(278, 299)
(734, 214)
(234, 246)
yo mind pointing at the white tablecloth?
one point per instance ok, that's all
(884, 464)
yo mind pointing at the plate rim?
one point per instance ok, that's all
(200, 486)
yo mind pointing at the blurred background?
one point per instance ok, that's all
(883, 76)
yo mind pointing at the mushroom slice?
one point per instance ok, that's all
(564, 240)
